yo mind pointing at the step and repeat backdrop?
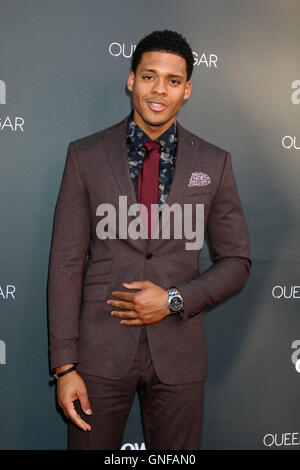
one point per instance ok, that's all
(63, 71)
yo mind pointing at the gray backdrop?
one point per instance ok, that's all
(63, 69)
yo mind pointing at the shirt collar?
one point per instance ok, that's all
(136, 137)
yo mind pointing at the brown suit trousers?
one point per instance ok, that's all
(172, 415)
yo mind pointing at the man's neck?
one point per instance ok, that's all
(153, 132)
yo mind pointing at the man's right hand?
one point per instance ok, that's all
(71, 387)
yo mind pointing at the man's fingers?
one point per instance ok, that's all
(120, 304)
(123, 295)
(134, 322)
(127, 314)
(72, 414)
(136, 284)
(84, 402)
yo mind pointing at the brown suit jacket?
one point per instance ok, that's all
(84, 270)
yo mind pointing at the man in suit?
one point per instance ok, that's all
(126, 311)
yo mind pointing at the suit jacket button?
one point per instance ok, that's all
(149, 255)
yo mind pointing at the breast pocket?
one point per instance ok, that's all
(97, 280)
(197, 190)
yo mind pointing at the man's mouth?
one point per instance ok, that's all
(156, 106)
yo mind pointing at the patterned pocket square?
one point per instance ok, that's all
(199, 179)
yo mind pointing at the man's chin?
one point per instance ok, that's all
(156, 121)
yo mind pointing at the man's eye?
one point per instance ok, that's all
(174, 82)
(147, 77)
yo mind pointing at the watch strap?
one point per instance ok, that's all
(54, 376)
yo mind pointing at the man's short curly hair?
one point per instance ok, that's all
(165, 41)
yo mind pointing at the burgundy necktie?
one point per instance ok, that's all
(148, 182)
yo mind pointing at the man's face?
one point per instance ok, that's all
(158, 88)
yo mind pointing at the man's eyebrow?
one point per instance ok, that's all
(148, 70)
(173, 75)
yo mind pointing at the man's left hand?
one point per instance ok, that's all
(148, 305)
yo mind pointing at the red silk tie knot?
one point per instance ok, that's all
(152, 146)
(148, 182)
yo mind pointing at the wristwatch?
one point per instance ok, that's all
(175, 300)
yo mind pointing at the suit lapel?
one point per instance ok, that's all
(117, 152)
(116, 145)
(185, 156)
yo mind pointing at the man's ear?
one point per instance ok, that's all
(188, 90)
(130, 81)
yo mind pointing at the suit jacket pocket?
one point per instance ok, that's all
(95, 291)
(99, 266)
(198, 190)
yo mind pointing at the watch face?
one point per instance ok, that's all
(176, 303)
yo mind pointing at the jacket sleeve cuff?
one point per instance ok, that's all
(193, 301)
(61, 356)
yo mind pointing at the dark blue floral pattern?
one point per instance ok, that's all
(136, 139)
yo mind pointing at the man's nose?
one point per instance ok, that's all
(159, 87)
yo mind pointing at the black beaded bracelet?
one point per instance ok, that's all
(55, 376)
